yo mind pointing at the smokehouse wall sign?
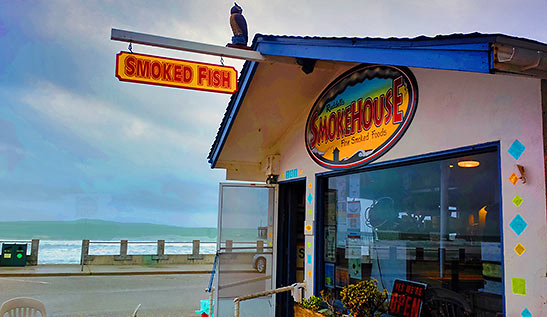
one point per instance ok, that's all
(361, 115)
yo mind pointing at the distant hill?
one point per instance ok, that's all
(93, 229)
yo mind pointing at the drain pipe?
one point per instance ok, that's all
(516, 59)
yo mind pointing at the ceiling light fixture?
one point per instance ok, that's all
(468, 163)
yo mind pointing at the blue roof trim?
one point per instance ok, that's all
(231, 113)
(474, 57)
(460, 52)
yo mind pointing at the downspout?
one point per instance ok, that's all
(513, 59)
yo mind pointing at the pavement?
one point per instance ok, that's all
(105, 290)
(51, 270)
(112, 296)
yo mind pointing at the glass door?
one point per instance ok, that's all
(245, 247)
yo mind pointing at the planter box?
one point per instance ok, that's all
(300, 311)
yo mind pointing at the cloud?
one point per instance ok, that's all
(113, 128)
(11, 150)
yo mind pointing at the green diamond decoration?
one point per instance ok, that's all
(517, 200)
(518, 286)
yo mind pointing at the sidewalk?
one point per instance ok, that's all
(76, 270)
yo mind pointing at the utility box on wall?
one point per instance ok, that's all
(13, 255)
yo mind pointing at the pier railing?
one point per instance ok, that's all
(124, 256)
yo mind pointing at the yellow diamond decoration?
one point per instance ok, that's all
(520, 249)
(308, 228)
(513, 179)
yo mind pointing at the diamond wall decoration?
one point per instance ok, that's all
(519, 248)
(526, 313)
(518, 286)
(310, 198)
(517, 200)
(516, 149)
(518, 225)
(513, 179)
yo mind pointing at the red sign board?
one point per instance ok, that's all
(406, 298)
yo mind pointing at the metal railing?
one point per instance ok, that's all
(295, 289)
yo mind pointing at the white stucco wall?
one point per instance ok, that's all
(457, 109)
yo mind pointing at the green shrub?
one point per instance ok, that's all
(364, 299)
(312, 303)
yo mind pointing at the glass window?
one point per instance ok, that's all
(435, 222)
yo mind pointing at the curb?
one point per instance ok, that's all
(101, 273)
(65, 274)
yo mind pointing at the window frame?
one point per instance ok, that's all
(321, 180)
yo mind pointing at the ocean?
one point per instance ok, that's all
(69, 251)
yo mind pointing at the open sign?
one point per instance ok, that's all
(406, 298)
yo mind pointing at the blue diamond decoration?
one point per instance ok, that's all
(518, 225)
(309, 258)
(516, 149)
(526, 313)
(310, 198)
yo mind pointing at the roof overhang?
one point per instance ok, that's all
(275, 93)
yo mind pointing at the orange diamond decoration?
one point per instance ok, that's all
(513, 179)
(520, 249)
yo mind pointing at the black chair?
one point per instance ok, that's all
(442, 302)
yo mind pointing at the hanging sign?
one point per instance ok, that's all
(406, 298)
(154, 70)
(361, 115)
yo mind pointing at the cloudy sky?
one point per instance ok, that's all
(77, 143)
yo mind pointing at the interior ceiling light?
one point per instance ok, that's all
(468, 163)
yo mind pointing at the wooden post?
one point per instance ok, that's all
(34, 252)
(229, 245)
(259, 246)
(85, 252)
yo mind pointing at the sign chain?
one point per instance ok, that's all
(130, 48)
(221, 60)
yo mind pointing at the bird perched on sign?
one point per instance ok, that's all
(239, 26)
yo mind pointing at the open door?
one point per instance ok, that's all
(290, 244)
(245, 248)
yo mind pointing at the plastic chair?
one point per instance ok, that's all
(23, 307)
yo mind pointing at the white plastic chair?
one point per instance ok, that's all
(23, 307)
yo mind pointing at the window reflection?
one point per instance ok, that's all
(435, 223)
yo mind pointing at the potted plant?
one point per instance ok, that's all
(308, 307)
(364, 299)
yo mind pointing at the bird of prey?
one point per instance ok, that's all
(239, 26)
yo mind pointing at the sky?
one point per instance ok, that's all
(77, 143)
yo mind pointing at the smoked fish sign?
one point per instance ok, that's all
(155, 70)
(361, 115)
